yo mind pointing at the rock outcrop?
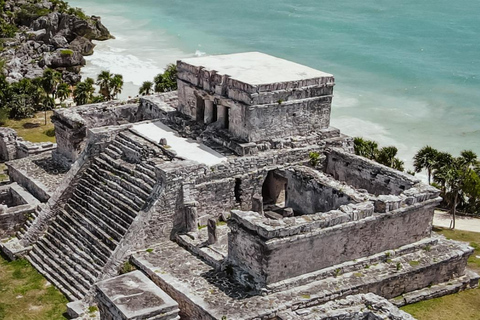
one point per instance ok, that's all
(57, 40)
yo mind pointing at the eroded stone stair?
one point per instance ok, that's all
(87, 229)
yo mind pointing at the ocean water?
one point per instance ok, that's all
(407, 72)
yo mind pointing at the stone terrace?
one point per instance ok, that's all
(204, 292)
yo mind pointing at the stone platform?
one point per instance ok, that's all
(205, 293)
(133, 296)
(38, 174)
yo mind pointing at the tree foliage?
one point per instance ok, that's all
(146, 88)
(166, 81)
(456, 177)
(386, 155)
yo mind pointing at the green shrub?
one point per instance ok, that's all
(50, 132)
(66, 53)
(314, 158)
(127, 267)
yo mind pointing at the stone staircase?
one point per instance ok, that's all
(87, 229)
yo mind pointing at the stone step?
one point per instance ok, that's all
(128, 150)
(141, 141)
(59, 263)
(114, 149)
(142, 175)
(67, 257)
(112, 153)
(103, 204)
(95, 219)
(69, 223)
(95, 208)
(75, 216)
(131, 191)
(77, 255)
(70, 292)
(83, 245)
(88, 177)
(99, 177)
(107, 163)
(111, 198)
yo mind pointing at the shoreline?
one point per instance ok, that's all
(401, 116)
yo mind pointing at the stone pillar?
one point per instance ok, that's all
(191, 217)
(212, 231)
(221, 114)
(208, 112)
(8, 144)
(257, 204)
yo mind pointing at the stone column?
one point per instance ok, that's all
(208, 112)
(212, 231)
(191, 217)
(221, 114)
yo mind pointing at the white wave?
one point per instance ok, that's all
(199, 53)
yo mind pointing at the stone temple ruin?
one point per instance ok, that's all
(234, 199)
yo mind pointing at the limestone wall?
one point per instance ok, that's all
(281, 258)
(366, 174)
(285, 119)
(307, 193)
(271, 120)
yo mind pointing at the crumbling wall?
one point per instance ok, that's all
(17, 205)
(366, 174)
(279, 258)
(307, 194)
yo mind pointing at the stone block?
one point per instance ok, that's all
(133, 296)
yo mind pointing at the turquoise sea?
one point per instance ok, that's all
(407, 72)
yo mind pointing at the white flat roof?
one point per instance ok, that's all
(186, 148)
(256, 68)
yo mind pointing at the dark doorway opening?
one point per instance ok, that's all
(226, 124)
(200, 110)
(238, 190)
(215, 113)
(274, 189)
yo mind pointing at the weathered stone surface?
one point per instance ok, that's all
(133, 296)
(17, 206)
(325, 224)
(357, 307)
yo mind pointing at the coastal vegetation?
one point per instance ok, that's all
(458, 178)
(24, 98)
(386, 155)
(163, 82)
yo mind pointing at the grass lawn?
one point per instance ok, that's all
(33, 129)
(460, 306)
(25, 294)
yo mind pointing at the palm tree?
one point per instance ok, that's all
(104, 80)
(365, 148)
(83, 91)
(425, 158)
(386, 155)
(454, 175)
(50, 81)
(146, 88)
(116, 85)
(166, 81)
(63, 91)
